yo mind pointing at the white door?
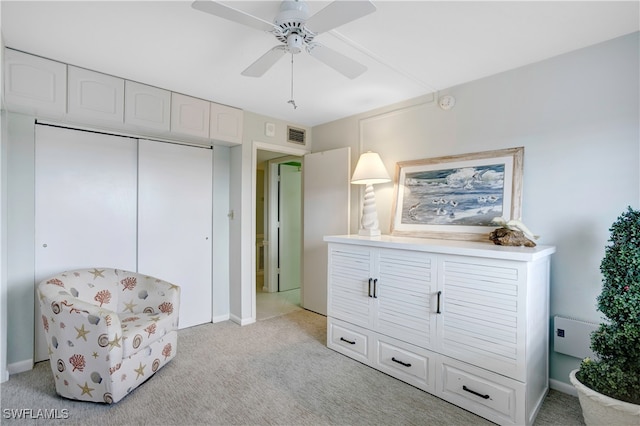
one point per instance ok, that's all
(326, 188)
(175, 222)
(290, 229)
(85, 205)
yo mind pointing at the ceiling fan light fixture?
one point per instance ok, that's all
(295, 43)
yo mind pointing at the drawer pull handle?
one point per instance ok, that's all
(438, 311)
(375, 288)
(405, 364)
(351, 342)
(476, 393)
(370, 279)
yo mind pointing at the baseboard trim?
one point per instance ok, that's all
(20, 367)
(245, 321)
(562, 387)
(220, 318)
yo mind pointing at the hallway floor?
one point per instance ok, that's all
(269, 305)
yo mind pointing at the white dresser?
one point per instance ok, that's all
(465, 321)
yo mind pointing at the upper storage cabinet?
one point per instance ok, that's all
(34, 85)
(68, 94)
(95, 96)
(226, 124)
(147, 106)
(189, 116)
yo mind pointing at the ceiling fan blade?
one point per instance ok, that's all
(266, 61)
(231, 14)
(337, 61)
(338, 13)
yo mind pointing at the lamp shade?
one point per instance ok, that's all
(370, 170)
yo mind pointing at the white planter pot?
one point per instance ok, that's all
(599, 409)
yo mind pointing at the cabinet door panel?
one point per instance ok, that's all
(95, 96)
(85, 205)
(349, 273)
(147, 106)
(174, 223)
(34, 85)
(226, 124)
(483, 318)
(405, 288)
(189, 116)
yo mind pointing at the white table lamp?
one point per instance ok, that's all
(369, 170)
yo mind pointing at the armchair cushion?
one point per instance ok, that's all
(108, 330)
(140, 330)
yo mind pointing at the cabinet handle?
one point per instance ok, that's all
(405, 364)
(370, 279)
(475, 393)
(375, 288)
(438, 311)
(351, 342)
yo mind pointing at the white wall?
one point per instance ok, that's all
(243, 171)
(235, 236)
(577, 115)
(20, 258)
(221, 230)
(4, 374)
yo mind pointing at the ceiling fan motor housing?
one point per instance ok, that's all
(290, 25)
(292, 9)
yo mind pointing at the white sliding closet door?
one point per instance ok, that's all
(85, 205)
(175, 222)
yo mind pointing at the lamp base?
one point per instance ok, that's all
(369, 232)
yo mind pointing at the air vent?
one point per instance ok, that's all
(295, 135)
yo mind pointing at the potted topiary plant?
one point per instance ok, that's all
(609, 386)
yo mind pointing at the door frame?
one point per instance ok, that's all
(285, 150)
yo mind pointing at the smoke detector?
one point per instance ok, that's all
(446, 102)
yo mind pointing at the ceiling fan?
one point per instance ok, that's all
(297, 30)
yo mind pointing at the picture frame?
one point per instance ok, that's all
(457, 196)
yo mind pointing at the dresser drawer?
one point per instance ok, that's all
(405, 362)
(480, 391)
(348, 339)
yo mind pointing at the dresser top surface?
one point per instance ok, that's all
(465, 248)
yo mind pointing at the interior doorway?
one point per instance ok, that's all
(278, 233)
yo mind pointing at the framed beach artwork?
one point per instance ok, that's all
(456, 197)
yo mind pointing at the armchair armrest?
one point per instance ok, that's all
(74, 327)
(154, 295)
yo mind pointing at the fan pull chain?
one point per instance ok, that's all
(291, 101)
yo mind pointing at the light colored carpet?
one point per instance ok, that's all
(269, 305)
(274, 372)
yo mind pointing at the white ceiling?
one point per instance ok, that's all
(410, 48)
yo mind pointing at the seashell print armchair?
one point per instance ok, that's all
(108, 330)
